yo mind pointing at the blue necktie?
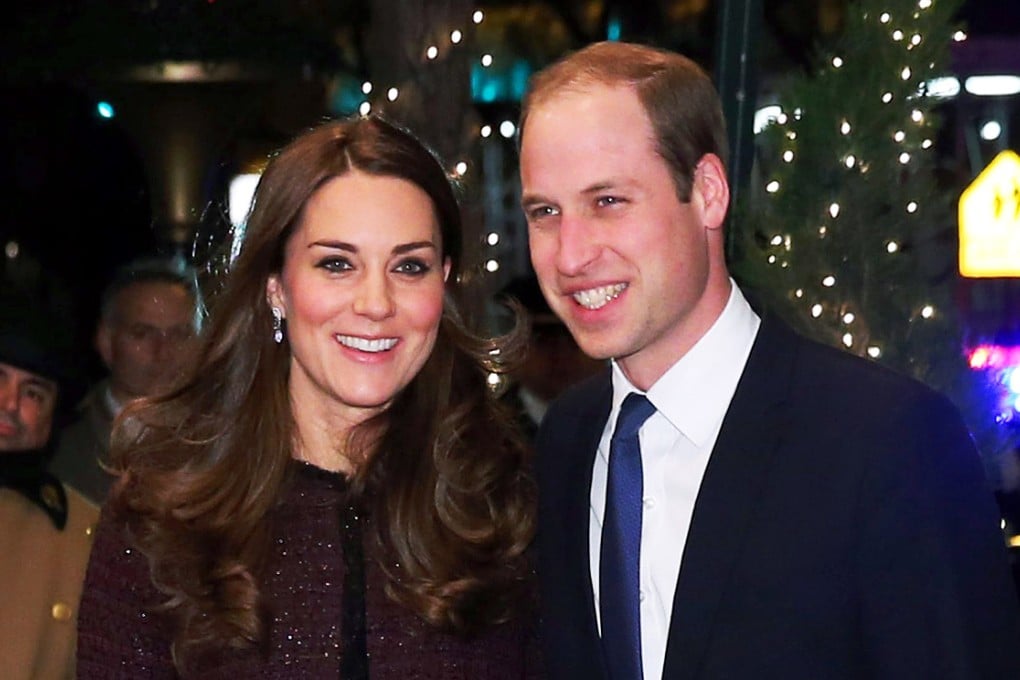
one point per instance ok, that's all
(619, 587)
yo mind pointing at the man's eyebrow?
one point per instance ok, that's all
(533, 199)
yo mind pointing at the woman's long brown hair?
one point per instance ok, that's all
(446, 483)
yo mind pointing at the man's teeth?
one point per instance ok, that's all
(364, 345)
(595, 298)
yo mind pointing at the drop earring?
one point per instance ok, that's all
(277, 325)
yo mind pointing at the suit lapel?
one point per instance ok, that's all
(573, 446)
(728, 496)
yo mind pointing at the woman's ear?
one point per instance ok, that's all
(447, 266)
(710, 191)
(274, 294)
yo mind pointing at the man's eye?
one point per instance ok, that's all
(608, 200)
(140, 332)
(541, 211)
(38, 396)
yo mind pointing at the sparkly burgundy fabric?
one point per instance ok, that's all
(119, 637)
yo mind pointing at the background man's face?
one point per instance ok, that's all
(142, 345)
(27, 403)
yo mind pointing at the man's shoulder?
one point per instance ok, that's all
(838, 371)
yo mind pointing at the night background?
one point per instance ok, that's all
(202, 90)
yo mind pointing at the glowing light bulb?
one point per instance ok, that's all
(772, 187)
(365, 108)
(829, 281)
(899, 135)
(897, 35)
(884, 18)
(887, 97)
(486, 60)
(848, 339)
(892, 246)
(917, 116)
(460, 168)
(492, 239)
(834, 210)
(850, 161)
(912, 207)
(491, 266)
(874, 352)
(456, 37)
(507, 129)
(432, 52)
(904, 158)
(799, 293)
(788, 156)
(366, 87)
(816, 311)
(837, 62)
(845, 127)
(927, 311)
(486, 130)
(478, 16)
(905, 73)
(848, 318)
(392, 94)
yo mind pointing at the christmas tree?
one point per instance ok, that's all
(846, 230)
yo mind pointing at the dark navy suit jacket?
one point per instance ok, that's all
(844, 529)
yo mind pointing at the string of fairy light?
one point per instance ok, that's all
(904, 137)
(506, 129)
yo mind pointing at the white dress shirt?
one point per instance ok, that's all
(690, 399)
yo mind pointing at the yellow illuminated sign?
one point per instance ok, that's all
(989, 214)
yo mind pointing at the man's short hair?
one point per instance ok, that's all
(678, 97)
(154, 269)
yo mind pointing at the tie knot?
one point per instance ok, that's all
(633, 413)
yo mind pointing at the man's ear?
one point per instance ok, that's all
(710, 191)
(103, 342)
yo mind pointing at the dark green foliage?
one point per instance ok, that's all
(862, 131)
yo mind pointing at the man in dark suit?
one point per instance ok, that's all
(794, 511)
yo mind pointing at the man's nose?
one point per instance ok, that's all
(578, 244)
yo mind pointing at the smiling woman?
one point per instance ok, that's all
(332, 486)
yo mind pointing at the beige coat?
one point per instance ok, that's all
(41, 572)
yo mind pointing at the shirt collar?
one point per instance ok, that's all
(695, 392)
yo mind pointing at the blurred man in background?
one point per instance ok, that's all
(148, 315)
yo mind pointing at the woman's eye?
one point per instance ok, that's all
(335, 264)
(412, 267)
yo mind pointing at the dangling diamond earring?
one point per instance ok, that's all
(277, 325)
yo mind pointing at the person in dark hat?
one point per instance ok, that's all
(45, 526)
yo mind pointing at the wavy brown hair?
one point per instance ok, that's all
(446, 483)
